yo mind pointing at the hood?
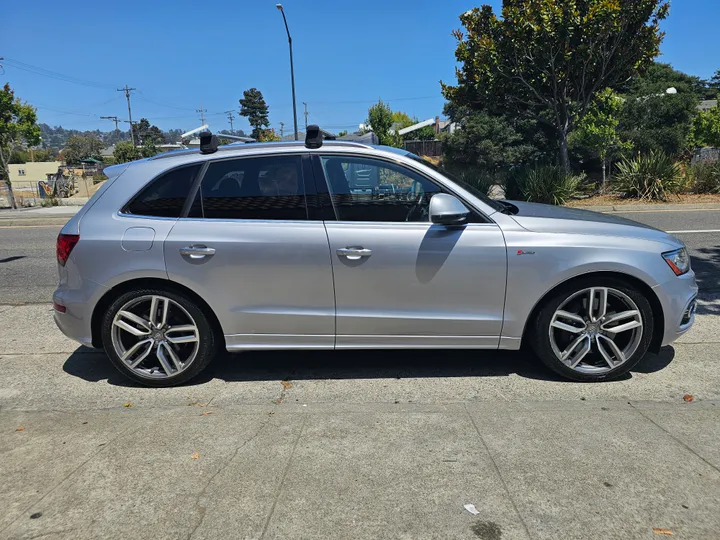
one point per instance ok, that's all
(548, 219)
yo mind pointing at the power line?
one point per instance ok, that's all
(230, 119)
(53, 74)
(374, 100)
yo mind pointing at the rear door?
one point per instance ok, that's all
(401, 281)
(248, 248)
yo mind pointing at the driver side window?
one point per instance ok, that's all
(364, 189)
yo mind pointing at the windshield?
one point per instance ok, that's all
(472, 189)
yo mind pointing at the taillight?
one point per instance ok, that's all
(65, 245)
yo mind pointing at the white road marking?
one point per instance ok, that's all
(695, 231)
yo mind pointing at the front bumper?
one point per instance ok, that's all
(678, 296)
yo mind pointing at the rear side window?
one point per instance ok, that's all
(262, 188)
(166, 195)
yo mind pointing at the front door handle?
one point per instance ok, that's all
(197, 252)
(354, 253)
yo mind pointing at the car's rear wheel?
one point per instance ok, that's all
(593, 329)
(158, 337)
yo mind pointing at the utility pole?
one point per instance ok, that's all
(306, 115)
(230, 119)
(202, 114)
(127, 96)
(114, 119)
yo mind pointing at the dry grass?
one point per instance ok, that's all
(613, 200)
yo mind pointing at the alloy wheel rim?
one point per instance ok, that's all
(596, 330)
(155, 337)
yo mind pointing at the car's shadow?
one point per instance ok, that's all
(329, 365)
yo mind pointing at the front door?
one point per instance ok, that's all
(248, 249)
(401, 281)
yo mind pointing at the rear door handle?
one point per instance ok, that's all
(354, 253)
(197, 252)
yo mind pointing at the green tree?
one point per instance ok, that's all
(597, 132)
(145, 133)
(253, 106)
(342, 133)
(487, 143)
(267, 135)
(653, 120)
(18, 124)
(706, 128)
(550, 58)
(380, 118)
(714, 83)
(125, 151)
(81, 147)
(402, 120)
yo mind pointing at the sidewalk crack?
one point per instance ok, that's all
(282, 479)
(676, 439)
(497, 470)
(203, 491)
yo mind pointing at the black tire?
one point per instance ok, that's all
(209, 342)
(539, 331)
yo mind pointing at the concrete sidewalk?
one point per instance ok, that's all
(388, 445)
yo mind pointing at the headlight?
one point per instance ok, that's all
(678, 261)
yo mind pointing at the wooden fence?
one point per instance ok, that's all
(424, 148)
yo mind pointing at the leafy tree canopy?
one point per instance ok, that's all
(380, 118)
(126, 151)
(706, 128)
(18, 124)
(550, 58)
(81, 147)
(253, 106)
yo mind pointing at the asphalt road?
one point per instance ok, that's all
(28, 273)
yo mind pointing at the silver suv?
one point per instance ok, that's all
(269, 246)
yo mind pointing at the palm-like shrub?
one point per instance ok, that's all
(652, 176)
(543, 184)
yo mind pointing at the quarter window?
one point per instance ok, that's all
(365, 189)
(265, 188)
(166, 195)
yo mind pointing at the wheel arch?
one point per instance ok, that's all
(104, 303)
(644, 288)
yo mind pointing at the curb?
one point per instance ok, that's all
(661, 207)
(34, 222)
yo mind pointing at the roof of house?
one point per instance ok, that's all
(708, 104)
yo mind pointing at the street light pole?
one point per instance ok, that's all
(292, 70)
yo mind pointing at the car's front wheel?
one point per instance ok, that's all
(158, 337)
(593, 330)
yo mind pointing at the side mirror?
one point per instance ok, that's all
(448, 210)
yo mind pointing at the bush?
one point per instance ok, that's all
(652, 176)
(480, 180)
(543, 184)
(49, 201)
(705, 177)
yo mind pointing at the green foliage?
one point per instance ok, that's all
(653, 176)
(597, 132)
(80, 147)
(18, 124)
(18, 157)
(487, 142)
(380, 118)
(342, 133)
(125, 151)
(49, 201)
(267, 135)
(706, 128)
(253, 106)
(705, 177)
(402, 119)
(146, 134)
(550, 58)
(654, 121)
(545, 184)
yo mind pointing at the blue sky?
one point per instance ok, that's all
(179, 53)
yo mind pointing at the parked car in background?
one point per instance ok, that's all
(271, 246)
